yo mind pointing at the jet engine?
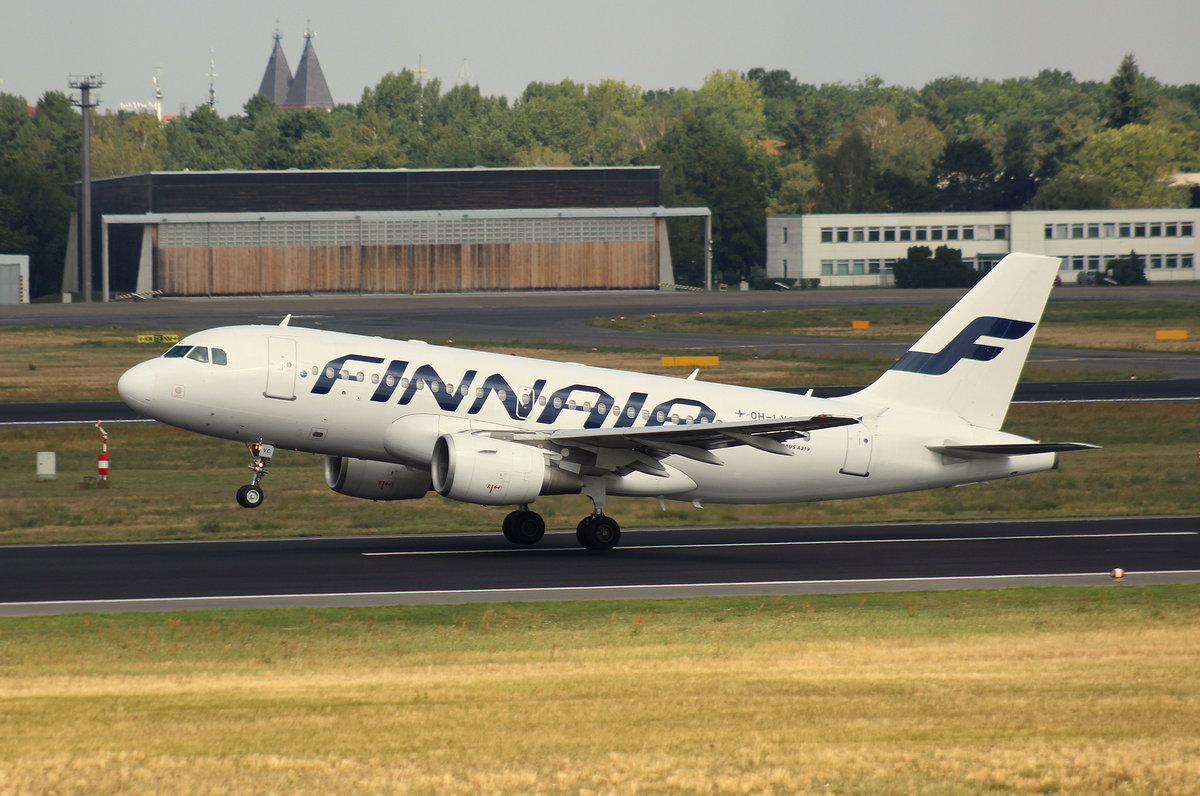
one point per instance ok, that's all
(478, 469)
(372, 480)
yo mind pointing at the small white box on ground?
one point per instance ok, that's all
(47, 465)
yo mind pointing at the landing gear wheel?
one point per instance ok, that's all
(249, 496)
(524, 527)
(598, 532)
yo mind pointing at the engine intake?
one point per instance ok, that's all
(495, 472)
(362, 478)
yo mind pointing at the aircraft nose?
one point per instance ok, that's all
(136, 386)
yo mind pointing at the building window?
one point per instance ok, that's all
(906, 233)
(827, 268)
(1185, 260)
(785, 234)
(1001, 232)
(843, 267)
(785, 276)
(858, 235)
(1171, 230)
(827, 235)
(1139, 230)
(843, 235)
(873, 234)
(935, 233)
(1185, 229)
(1077, 230)
(889, 234)
(859, 266)
(1124, 231)
(1155, 230)
(1093, 230)
(951, 233)
(920, 233)
(968, 233)
(1110, 230)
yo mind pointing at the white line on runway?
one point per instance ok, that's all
(791, 544)
(1129, 574)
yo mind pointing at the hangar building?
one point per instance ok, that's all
(386, 231)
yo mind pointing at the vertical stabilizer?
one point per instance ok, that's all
(968, 364)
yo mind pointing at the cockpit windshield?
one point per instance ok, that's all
(199, 353)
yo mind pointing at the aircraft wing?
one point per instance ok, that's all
(624, 449)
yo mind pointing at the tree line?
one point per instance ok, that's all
(744, 145)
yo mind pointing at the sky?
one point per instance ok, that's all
(504, 46)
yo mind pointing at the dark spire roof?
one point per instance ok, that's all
(309, 89)
(278, 77)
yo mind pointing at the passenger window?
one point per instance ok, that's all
(199, 353)
(218, 357)
(177, 351)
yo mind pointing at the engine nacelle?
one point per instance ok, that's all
(372, 480)
(496, 472)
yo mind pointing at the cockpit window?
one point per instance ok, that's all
(177, 351)
(218, 356)
(199, 353)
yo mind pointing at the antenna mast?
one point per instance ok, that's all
(85, 84)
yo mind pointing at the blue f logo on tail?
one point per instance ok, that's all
(964, 346)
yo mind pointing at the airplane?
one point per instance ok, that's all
(398, 419)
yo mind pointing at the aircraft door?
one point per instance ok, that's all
(281, 368)
(859, 445)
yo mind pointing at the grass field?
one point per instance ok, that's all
(1075, 691)
(1128, 325)
(171, 484)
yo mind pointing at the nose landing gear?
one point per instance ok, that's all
(250, 496)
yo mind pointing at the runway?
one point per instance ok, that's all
(448, 569)
(563, 318)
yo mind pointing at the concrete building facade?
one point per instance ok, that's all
(859, 249)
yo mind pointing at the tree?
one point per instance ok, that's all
(847, 180)
(1136, 161)
(1127, 270)
(798, 190)
(736, 101)
(942, 268)
(1071, 192)
(1128, 102)
(966, 177)
(704, 164)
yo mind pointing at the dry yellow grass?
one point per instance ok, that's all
(646, 705)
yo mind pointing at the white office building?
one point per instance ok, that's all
(859, 249)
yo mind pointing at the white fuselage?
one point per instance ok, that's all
(385, 400)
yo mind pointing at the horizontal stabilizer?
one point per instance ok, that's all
(1013, 449)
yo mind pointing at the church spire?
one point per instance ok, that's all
(308, 88)
(278, 77)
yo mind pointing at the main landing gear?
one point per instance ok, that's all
(250, 496)
(595, 532)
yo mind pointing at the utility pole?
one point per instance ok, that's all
(85, 84)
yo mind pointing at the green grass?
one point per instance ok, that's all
(170, 484)
(1166, 314)
(1076, 691)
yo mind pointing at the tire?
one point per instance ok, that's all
(249, 497)
(524, 527)
(598, 533)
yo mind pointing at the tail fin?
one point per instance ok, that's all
(969, 362)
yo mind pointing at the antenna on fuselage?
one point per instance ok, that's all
(285, 320)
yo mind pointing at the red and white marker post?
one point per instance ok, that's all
(102, 459)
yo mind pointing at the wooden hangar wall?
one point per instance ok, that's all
(519, 245)
(405, 255)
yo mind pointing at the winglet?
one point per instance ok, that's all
(286, 319)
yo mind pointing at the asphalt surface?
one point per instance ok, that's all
(382, 570)
(563, 318)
